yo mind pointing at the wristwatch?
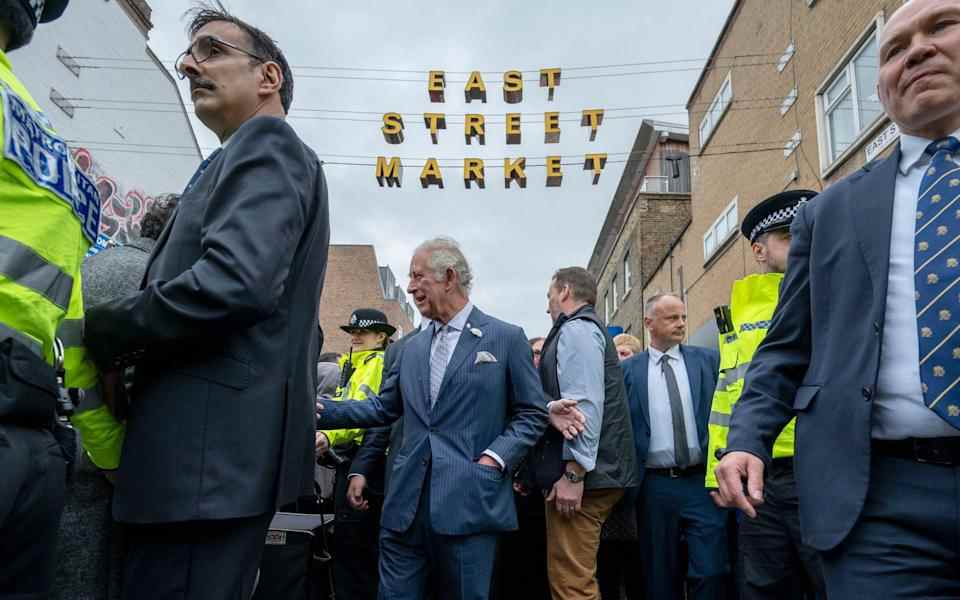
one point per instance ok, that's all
(573, 477)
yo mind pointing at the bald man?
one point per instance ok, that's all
(864, 345)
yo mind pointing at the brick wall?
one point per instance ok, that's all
(744, 156)
(353, 281)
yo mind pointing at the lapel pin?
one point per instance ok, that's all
(475, 331)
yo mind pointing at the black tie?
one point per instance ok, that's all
(680, 448)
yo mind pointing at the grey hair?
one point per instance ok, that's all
(652, 301)
(445, 254)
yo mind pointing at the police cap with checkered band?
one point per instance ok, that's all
(370, 319)
(776, 212)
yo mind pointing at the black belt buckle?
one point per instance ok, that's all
(932, 452)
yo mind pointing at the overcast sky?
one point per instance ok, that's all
(514, 238)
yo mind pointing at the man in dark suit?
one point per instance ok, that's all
(670, 388)
(472, 407)
(220, 424)
(862, 345)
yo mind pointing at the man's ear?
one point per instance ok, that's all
(272, 78)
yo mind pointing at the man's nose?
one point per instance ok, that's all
(189, 67)
(919, 51)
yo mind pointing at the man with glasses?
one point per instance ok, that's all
(220, 427)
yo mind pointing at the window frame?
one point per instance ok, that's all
(614, 295)
(720, 231)
(717, 100)
(845, 68)
(627, 274)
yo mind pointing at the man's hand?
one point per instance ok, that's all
(488, 462)
(566, 496)
(733, 470)
(322, 443)
(566, 418)
(358, 483)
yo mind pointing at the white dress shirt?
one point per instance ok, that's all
(661, 454)
(898, 410)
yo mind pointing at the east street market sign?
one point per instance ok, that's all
(389, 171)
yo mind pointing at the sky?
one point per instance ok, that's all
(514, 239)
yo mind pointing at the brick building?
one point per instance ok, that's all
(354, 280)
(786, 100)
(649, 210)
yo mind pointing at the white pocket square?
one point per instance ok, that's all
(484, 357)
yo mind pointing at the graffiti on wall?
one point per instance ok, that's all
(121, 209)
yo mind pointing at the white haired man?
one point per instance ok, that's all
(472, 408)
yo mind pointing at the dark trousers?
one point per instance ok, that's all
(419, 563)
(618, 570)
(776, 564)
(198, 560)
(670, 509)
(32, 481)
(355, 543)
(905, 543)
(522, 555)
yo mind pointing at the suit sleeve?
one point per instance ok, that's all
(379, 409)
(766, 404)
(373, 452)
(633, 400)
(528, 406)
(253, 221)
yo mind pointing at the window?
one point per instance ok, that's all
(720, 231)
(848, 104)
(627, 278)
(606, 307)
(718, 108)
(613, 287)
(785, 59)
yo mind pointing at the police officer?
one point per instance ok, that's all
(775, 564)
(49, 217)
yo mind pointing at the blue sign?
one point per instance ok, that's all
(45, 158)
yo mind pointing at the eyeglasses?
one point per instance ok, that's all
(205, 47)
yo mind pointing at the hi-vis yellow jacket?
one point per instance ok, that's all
(752, 302)
(364, 382)
(49, 217)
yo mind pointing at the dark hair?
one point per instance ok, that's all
(583, 285)
(263, 45)
(157, 215)
(17, 21)
(329, 357)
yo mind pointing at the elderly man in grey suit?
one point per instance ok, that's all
(220, 424)
(863, 346)
(472, 407)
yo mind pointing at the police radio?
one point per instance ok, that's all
(724, 319)
(65, 397)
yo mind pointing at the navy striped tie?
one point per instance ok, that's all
(936, 274)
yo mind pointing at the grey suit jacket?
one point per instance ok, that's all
(821, 356)
(498, 406)
(221, 420)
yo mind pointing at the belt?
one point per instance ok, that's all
(943, 451)
(677, 472)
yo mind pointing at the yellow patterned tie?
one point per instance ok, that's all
(937, 274)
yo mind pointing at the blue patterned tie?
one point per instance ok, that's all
(439, 357)
(936, 274)
(203, 167)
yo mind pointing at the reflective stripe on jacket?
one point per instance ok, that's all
(752, 303)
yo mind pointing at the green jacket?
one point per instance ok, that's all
(752, 302)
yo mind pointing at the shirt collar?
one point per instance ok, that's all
(459, 321)
(912, 151)
(673, 352)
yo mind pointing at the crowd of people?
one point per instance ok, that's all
(815, 455)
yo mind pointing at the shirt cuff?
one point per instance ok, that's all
(352, 475)
(496, 457)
